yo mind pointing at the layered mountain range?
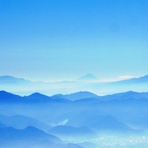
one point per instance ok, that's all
(87, 82)
(72, 120)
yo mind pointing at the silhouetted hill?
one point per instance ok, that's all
(125, 95)
(84, 112)
(79, 95)
(37, 97)
(21, 122)
(30, 132)
(108, 123)
(7, 97)
(30, 137)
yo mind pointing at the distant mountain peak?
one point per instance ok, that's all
(88, 77)
(37, 96)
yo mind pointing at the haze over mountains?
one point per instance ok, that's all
(87, 82)
(79, 120)
(83, 113)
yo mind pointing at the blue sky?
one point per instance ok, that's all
(65, 39)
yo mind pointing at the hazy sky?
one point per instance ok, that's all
(59, 39)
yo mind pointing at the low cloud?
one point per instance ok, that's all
(125, 77)
(60, 123)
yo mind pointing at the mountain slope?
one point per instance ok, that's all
(20, 122)
(7, 97)
(70, 131)
(125, 95)
(12, 80)
(30, 137)
(109, 123)
(79, 95)
(87, 77)
(142, 79)
(37, 97)
(29, 133)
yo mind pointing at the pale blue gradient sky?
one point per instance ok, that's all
(64, 39)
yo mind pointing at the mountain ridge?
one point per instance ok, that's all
(21, 121)
(90, 84)
(78, 95)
